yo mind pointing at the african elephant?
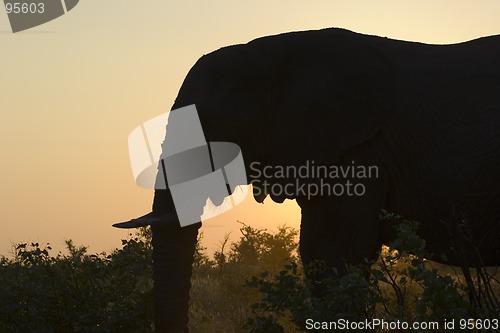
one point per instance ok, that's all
(425, 117)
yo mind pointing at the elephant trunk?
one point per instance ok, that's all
(173, 250)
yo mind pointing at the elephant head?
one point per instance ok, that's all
(338, 99)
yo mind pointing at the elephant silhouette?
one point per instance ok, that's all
(426, 116)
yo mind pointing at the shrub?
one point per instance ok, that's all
(77, 291)
(403, 286)
(255, 284)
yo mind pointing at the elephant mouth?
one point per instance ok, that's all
(149, 219)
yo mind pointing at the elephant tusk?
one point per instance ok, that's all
(148, 219)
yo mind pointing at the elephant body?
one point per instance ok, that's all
(427, 116)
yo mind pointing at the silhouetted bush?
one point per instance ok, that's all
(220, 299)
(403, 286)
(77, 291)
(255, 284)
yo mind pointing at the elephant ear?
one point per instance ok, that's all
(331, 95)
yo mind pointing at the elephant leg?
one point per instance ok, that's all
(338, 231)
(173, 250)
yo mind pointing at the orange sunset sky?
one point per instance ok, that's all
(73, 89)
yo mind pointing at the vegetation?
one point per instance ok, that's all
(402, 286)
(77, 291)
(255, 284)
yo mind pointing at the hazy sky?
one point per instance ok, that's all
(72, 90)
